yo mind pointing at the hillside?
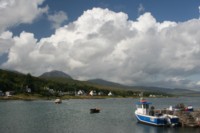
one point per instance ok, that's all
(175, 91)
(18, 82)
(104, 82)
(55, 74)
(59, 81)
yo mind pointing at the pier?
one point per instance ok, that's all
(187, 118)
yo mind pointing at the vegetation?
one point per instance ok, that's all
(43, 87)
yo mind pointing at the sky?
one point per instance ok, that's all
(132, 42)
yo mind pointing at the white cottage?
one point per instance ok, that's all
(80, 92)
(92, 93)
(9, 93)
(110, 94)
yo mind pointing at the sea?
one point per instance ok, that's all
(73, 116)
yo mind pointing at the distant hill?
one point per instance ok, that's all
(185, 92)
(55, 74)
(113, 84)
(17, 82)
(104, 82)
(175, 91)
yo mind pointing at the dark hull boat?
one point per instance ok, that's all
(94, 110)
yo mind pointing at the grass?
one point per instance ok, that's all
(40, 97)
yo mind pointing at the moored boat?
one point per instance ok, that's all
(148, 115)
(58, 101)
(94, 110)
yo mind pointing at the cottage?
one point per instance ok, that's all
(100, 93)
(9, 93)
(151, 95)
(80, 92)
(110, 94)
(28, 90)
(92, 93)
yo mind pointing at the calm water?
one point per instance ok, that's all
(72, 116)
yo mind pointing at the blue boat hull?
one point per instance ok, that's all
(156, 121)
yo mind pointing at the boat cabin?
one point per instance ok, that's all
(143, 106)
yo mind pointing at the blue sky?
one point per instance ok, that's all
(133, 42)
(171, 10)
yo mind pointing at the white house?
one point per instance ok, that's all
(92, 93)
(9, 93)
(151, 95)
(80, 92)
(28, 90)
(100, 93)
(110, 94)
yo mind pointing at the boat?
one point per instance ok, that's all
(58, 101)
(147, 115)
(94, 110)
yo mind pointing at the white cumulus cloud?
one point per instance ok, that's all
(105, 44)
(14, 12)
(5, 42)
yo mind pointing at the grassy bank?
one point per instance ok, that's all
(40, 97)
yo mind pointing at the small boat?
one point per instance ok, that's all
(94, 110)
(58, 101)
(147, 115)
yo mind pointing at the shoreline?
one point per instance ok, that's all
(33, 97)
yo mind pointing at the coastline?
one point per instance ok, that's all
(32, 97)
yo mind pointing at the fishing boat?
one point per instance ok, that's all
(148, 115)
(58, 101)
(94, 110)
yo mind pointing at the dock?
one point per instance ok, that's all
(186, 118)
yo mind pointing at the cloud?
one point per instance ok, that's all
(57, 19)
(15, 12)
(141, 9)
(105, 44)
(199, 12)
(5, 42)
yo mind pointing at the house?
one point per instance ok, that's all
(100, 93)
(28, 90)
(92, 93)
(9, 93)
(151, 95)
(110, 94)
(80, 92)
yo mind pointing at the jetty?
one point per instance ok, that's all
(188, 117)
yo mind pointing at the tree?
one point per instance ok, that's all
(28, 82)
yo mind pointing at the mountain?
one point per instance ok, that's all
(117, 85)
(17, 82)
(104, 82)
(184, 92)
(55, 74)
(175, 91)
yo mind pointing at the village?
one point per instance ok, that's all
(60, 93)
(75, 93)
